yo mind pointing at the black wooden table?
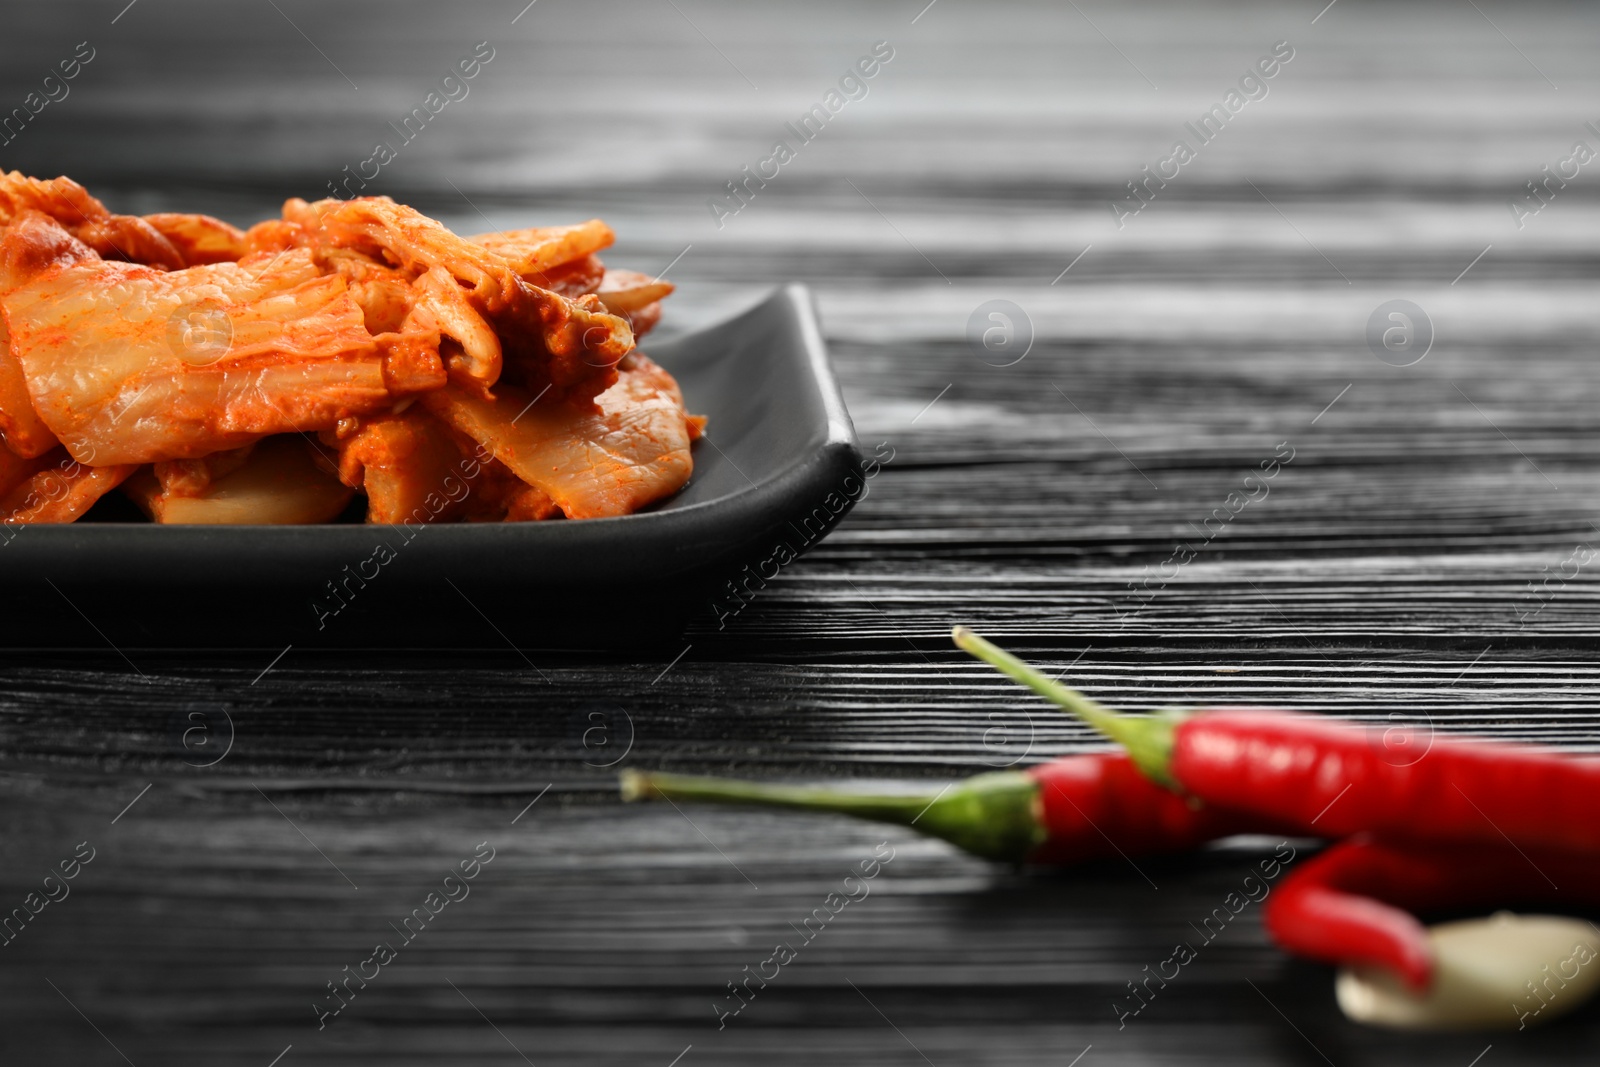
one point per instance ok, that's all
(261, 817)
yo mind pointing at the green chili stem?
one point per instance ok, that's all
(887, 807)
(1148, 739)
(993, 815)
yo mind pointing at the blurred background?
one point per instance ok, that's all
(1154, 345)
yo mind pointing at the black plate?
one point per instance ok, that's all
(778, 466)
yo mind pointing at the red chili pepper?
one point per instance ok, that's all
(1353, 904)
(1097, 806)
(1069, 810)
(1328, 778)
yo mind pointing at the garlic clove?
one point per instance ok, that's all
(1504, 972)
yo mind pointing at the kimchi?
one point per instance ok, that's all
(349, 358)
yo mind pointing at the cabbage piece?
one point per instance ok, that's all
(30, 244)
(538, 250)
(636, 297)
(122, 237)
(131, 365)
(622, 291)
(467, 344)
(60, 489)
(410, 467)
(14, 469)
(578, 278)
(200, 238)
(279, 484)
(192, 477)
(630, 450)
(571, 345)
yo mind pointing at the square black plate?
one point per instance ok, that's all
(779, 465)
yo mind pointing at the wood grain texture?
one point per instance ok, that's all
(301, 801)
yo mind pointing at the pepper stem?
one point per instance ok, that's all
(1147, 738)
(993, 815)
